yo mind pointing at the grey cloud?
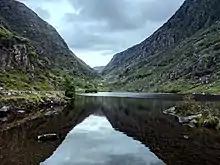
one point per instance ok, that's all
(115, 14)
(124, 14)
(81, 39)
(115, 25)
(108, 25)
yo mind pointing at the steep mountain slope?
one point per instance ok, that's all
(180, 56)
(31, 49)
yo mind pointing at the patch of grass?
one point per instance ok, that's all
(15, 80)
(5, 32)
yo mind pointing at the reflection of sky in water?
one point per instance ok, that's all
(95, 142)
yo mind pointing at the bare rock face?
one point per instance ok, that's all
(16, 57)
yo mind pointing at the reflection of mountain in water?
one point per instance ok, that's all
(141, 119)
(144, 121)
(19, 145)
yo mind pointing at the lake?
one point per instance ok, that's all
(112, 129)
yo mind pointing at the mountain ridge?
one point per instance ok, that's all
(192, 17)
(53, 58)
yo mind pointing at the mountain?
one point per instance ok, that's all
(99, 69)
(181, 56)
(32, 53)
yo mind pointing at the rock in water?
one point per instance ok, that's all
(187, 119)
(48, 137)
(4, 111)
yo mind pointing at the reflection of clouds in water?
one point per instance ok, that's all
(95, 142)
(93, 123)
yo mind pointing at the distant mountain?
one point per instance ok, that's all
(181, 56)
(99, 69)
(32, 51)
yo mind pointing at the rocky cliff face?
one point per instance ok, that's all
(29, 44)
(15, 52)
(178, 51)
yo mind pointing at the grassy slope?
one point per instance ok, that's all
(182, 69)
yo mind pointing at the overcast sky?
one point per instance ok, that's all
(97, 29)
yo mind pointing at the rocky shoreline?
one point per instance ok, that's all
(18, 105)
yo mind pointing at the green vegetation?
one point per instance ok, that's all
(190, 67)
(5, 33)
(17, 80)
(210, 114)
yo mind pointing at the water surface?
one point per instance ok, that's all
(95, 142)
(112, 129)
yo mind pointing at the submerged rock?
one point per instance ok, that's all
(170, 111)
(188, 119)
(48, 137)
(186, 137)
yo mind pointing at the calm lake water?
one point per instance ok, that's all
(112, 129)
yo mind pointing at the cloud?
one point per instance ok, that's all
(109, 26)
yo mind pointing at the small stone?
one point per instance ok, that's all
(21, 111)
(186, 137)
